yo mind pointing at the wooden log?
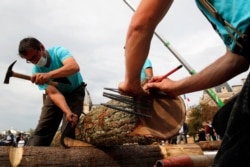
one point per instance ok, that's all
(184, 155)
(4, 158)
(116, 156)
(84, 156)
(172, 150)
(209, 145)
(104, 126)
(187, 161)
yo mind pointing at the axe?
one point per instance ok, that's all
(11, 73)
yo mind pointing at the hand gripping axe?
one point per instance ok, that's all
(11, 73)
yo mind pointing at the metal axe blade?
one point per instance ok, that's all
(9, 73)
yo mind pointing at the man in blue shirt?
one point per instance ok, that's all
(63, 100)
(146, 72)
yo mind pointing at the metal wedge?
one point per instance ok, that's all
(125, 109)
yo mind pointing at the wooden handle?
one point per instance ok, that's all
(26, 77)
(22, 76)
(169, 73)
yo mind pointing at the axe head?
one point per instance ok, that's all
(9, 73)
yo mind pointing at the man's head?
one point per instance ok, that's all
(33, 51)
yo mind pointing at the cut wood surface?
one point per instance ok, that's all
(90, 156)
(209, 145)
(172, 150)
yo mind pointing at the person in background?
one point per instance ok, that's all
(182, 136)
(173, 139)
(18, 136)
(21, 142)
(146, 72)
(210, 133)
(10, 139)
(207, 131)
(63, 100)
(233, 151)
(201, 135)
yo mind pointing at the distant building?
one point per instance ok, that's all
(223, 91)
(87, 103)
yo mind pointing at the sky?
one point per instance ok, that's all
(94, 31)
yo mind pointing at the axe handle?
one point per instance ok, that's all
(21, 76)
(27, 77)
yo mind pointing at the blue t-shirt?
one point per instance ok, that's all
(146, 65)
(237, 14)
(57, 55)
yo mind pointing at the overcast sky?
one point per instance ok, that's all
(94, 31)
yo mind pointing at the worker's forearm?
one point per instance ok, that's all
(217, 73)
(69, 67)
(60, 101)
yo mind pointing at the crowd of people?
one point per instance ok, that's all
(207, 133)
(16, 140)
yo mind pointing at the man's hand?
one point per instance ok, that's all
(166, 85)
(72, 118)
(40, 78)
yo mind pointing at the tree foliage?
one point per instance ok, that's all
(199, 114)
(30, 131)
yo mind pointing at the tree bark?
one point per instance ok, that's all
(133, 155)
(104, 126)
(90, 156)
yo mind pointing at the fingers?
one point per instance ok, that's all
(159, 85)
(73, 119)
(156, 79)
(33, 78)
(39, 78)
(153, 85)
